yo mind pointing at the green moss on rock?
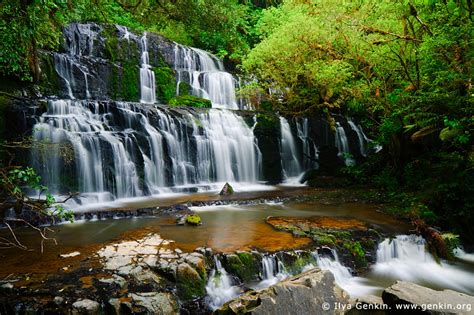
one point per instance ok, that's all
(190, 101)
(193, 219)
(244, 265)
(190, 284)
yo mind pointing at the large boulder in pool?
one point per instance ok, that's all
(427, 301)
(227, 190)
(312, 292)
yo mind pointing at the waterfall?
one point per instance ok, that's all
(219, 287)
(206, 75)
(290, 164)
(342, 145)
(310, 151)
(273, 271)
(406, 258)
(125, 150)
(360, 136)
(147, 76)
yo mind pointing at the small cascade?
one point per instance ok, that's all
(342, 145)
(206, 75)
(462, 255)
(406, 258)
(360, 136)
(273, 271)
(147, 76)
(355, 286)
(310, 151)
(219, 287)
(290, 164)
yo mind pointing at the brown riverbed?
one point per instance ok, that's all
(225, 229)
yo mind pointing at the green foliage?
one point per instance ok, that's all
(16, 182)
(190, 101)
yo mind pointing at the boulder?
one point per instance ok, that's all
(189, 282)
(155, 302)
(427, 300)
(85, 306)
(312, 292)
(226, 190)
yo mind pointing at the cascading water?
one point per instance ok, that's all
(290, 164)
(273, 271)
(355, 286)
(406, 258)
(147, 76)
(310, 151)
(219, 287)
(360, 136)
(169, 150)
(342, 145)
(206, 75)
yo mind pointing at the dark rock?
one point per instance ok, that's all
(227, 190)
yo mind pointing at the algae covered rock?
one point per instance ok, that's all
(193, 219)
(189, 282)
(190, 101)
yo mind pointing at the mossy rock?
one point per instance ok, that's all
(165, 81)
(184, 88)
(193, 219)
(190, 101)
(244, 265)
(190, 284)
(268, 121)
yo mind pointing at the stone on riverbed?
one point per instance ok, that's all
(85, 306)
(408, 293)
(156, 302)
(303, 294)
(226, 190)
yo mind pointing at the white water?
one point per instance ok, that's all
(406, 258)
(342, 145)
(108, 157)
(462, 255)
(147, 76)
(273, 272)
(355, 286)
(310, 150)
(360, 136)
(219, 287)
(289, 161)
(206, 75)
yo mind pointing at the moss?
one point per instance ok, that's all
(452, 242)
(49, 83)
(357, 251)
(165, 83)
(184, 88)
(130, 82)
(193, 219)
(190, 284)
(190, 101)
(243, 265)
(268, 121)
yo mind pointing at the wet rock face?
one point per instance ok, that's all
(303, 294)
(353, 239)
(428, 301)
